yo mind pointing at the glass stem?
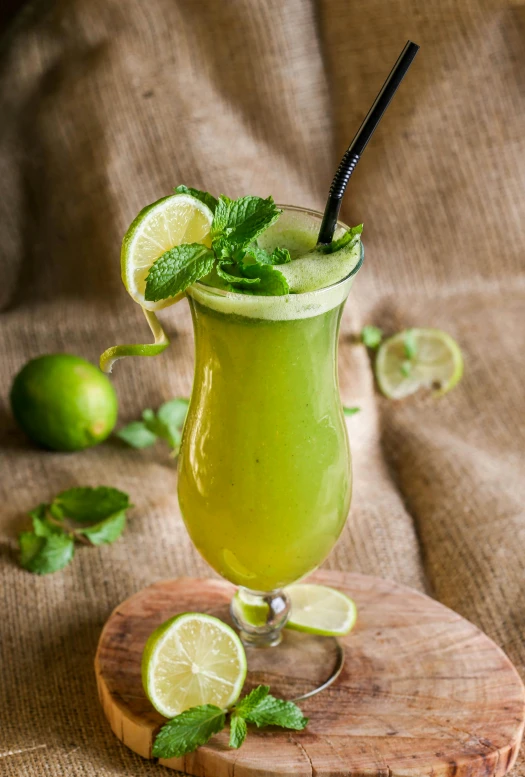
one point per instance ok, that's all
(260, 616)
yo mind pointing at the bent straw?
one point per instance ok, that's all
(358, 144)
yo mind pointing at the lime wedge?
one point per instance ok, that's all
(193, 659)
(179, 218)
(436, 363)
(318, 609)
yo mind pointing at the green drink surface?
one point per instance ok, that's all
(264, 469)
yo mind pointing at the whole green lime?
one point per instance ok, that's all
(64, 402)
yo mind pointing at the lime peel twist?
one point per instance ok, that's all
(111, 355)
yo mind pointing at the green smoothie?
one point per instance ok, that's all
(264, 468)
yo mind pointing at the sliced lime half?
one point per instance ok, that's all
(193, 659)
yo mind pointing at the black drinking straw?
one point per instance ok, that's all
(358, 144)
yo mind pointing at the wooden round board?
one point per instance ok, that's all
(422, 692)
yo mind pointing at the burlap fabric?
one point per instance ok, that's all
(105, 105)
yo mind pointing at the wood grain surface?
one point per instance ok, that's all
(423, 691)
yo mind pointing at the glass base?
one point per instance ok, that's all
(300, 666)
(294, 664)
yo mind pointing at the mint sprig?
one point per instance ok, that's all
(166, 424)
(194, 727)
(93, 516)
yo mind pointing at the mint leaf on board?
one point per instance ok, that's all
(205, 197)
(229, 278)
(273, 283)
(410, 344)
(177, 269)
(349, 411)
(238, 731)
(105, 531)
(276, 712)
(349, 236)
(252, 700)
(371, 336)
(137, 435)
(188, 731)
(45, 554)
(91, 504)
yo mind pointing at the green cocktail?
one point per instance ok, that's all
(264, 468)
(264, 480)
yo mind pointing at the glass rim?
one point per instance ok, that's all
(224, 293)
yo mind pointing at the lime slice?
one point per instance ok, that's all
(251, 608)
(193, 659)
(179, 218)
(436, 363)
(318, 609)
(111, 355)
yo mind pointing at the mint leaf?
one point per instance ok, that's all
(242, 221)
(351, 235)
(166, 430)
(167, 424)
(348, 411)
(42, 526)
(152, 423)
(220, 216)
(249, 217)
(177, 269)
(276, 712)
(252, 700)
(410, 344)
(173, 413)
(406, 368)
(137, 435)
(229, 278)
(205, 197)
(281, 256)
(238, 731)
(371, 336)
(91, 504)
(105, 531)
(261, 256)
(273, 283)
(43, 555)
(187, 731)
